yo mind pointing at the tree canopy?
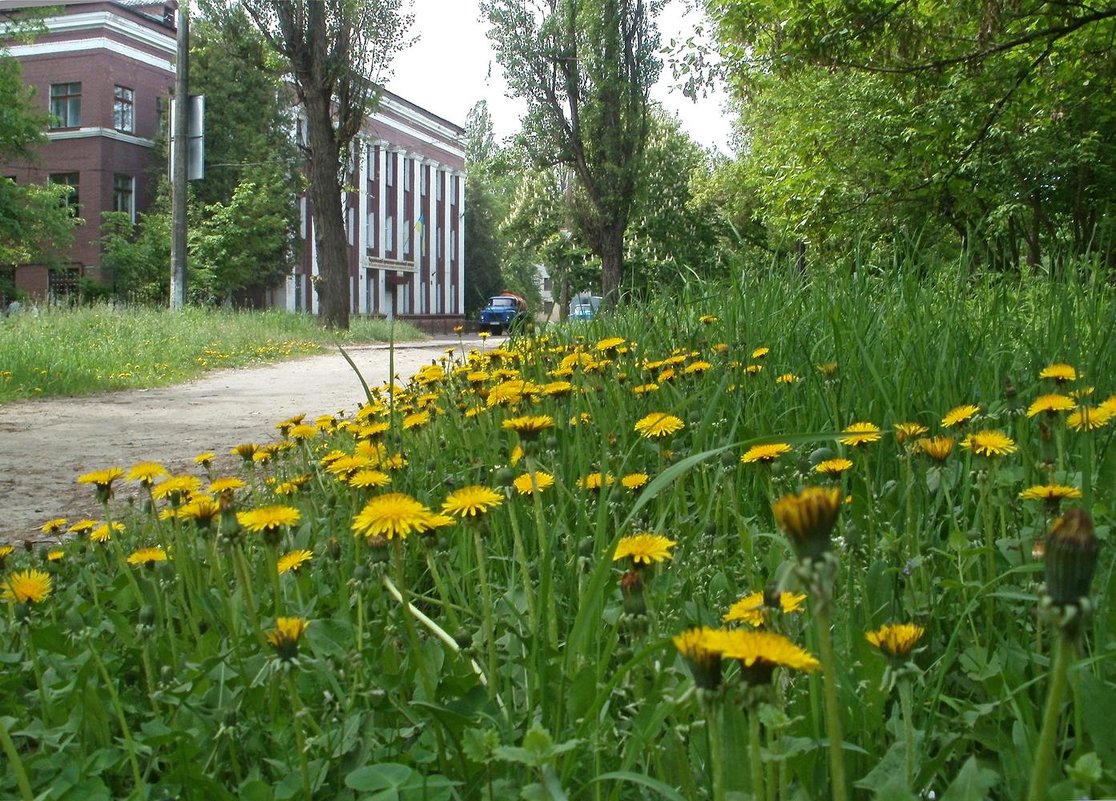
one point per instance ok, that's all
(585, 69)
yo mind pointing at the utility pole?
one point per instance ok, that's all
(180, 142)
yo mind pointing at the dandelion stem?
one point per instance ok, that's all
(1044, 752)
(907, 707)
(716, 748)
(12, 754)
(754, 759)
(300, 735)
(832, 708)
(486, 601)
(119, 709)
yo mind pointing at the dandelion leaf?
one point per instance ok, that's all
(972, 783)
(1098, 710)
(886, 779)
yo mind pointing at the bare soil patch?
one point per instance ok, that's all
(45, 445)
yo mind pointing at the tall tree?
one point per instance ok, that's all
(483, 246)
(35, 223)
(585, 69)
(336, 51)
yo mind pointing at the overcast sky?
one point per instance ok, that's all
(452, 66)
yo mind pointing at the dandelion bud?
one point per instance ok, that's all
(333, 547)
(631, 591)
(1071, 557)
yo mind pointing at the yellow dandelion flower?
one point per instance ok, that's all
(146, 473)
(1059, 373)
(643, 389)
(529, 426)
(759, 353)
(1089, 418)
(960, 415)
(285, 636)
(707, 319)
(989, 443)
(752, 609)
(787, 378)
(416, 420)
(611, 343)
(595, 481)
(202, 509)
(658, 425)
(226, 484)
(205, 459)
(1051, 404)
(828, 369)
(634, 481)
(530, 483)
(859, 434)
(102, 481)
(833, 467)
(701, 649)
(393, 515)
(53, 527)
(908, 432)
(293, 560)
(1051, 494)
(147, 557)
(245, 450)
(937, 448)
(369, 477)
(268, 519)
(696, 368)
(765, 454)
(472, 501)
(55, 555)
(83, 526)
(644, 548)
(26, 586)
(808, 519)
(176, 487)
(103, 533)
(896, 639)
(766, 651)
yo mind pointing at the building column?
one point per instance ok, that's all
(400, 303)
(447, 194)
(429, 225)
(361, 224)
(459, 306)
(381, 213)
(421, 288)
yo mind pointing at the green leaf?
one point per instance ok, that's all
(1087, 770)
(1098, 710)
(479, 745)
(371, 778)
(972, 783)
(255, 790)
(665, 790)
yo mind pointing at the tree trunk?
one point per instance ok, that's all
(612, 266)
(328, 216)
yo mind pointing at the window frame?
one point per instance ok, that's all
(124, 105)
(69, 103)
(72, 180)
(130, 193)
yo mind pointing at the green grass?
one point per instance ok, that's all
(499, 656)
(90, 350)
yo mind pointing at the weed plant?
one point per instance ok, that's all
(509, 576)
(96, 349)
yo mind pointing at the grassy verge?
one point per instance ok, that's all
(499, 581)
(84, 351)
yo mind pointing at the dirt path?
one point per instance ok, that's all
(45, 445)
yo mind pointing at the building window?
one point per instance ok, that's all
(424, 180)
(69, 179)
(453, 245)
(389, 234)
(407, 166)
(453, 191)
(65, 105)
(62, 282)
(370, 230)
(124, 195)
(124, 109)
(440, 181)
(405, 235)
(389, 179)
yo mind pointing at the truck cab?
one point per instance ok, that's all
(503, 313)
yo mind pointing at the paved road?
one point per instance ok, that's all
(46, 444)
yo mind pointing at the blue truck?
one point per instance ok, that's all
(504, 312)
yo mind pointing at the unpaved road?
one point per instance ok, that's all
(45, 445)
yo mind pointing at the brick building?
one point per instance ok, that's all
(105, 69)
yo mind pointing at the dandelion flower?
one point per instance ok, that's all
(226, 484)
(765, 454)
(102, 481)
(658, 425)
(759, 353)
(701, 649)
(416, 420)
(808, 519)
(147, 557)
(472, 501)
(53, 527)
(293, 560)
(960, 415)
(644, 548)
(285, 636)
(611, 344)
(268, 519)
(833, 467)
(787, 378)
(530, 483)
(146, 473)
(83, 526)
(1050, 494)
(1051, 404)
(989, 443)
(5, 552)
(103, 533)
(595, 481)
(529, 426)
(245, 450)
(760, 652)
(859, 434)
(55, 555)
(205, 459)
(202, 509)
(1059, 373)
(828, 369)
(393, 515)
(634, 481)
(368, 477)
(907, 432)
(752, 608)
(896, 639)
(26, 586)
(1089, 418)
(176, 488)
(937, 448)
